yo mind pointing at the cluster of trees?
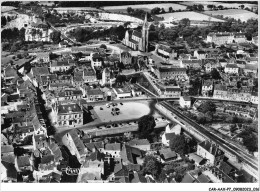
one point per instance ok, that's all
(192, 34)
(158, 10)
(85, 34)
(5, 20)
(250, 140)
(146, 126)
(20, 45)
(13, 35)
(60, 20)
(55, 36)
(139, 13)
(195, 7)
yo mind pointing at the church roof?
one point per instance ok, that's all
(137, 34)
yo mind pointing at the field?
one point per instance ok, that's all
(243, 15)
(189, 14)
(145, 7)
(228, 5)
(128, 111)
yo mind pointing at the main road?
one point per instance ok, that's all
(247, 158)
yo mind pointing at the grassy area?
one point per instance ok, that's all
(145, 7)
(241, 14)
(188, 14)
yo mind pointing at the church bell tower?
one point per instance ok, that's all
(145, 32)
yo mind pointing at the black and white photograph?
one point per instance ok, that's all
(156, 94)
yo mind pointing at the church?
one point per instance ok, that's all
(138, 41)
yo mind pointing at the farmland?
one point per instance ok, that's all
(145, 7)
(228, 5)
(241, 14)
(188, 14)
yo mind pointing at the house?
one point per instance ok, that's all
(254, 97)
(138, 178)
(22, 163)
(142, 144)
(61, 66)
(211, 152)
(188, 178)
(220, 91)
(241, 63)
(231, 68)
(165, 51)
(95, 146)
(113, 149)
(199, 161)
(131, 155)
(207, 88)
(170, 73)
(123, 92)
(43, 57)
(200, 54)
(126, 58)
(226, 37)
(89, 76)
(69, 94)
(167, 155)
(92, 170)
(191, 63)
(222, 62)
(185, 102)
(94, 95)
(209, 66)
(106, 77)
(136, 91)
(9, 73)
(96, 60)
(251, 68)
(68, 114)
(169, 91)
(76, 147)
(219, 176)
(8, 171)
(121, 174)
(167, 137)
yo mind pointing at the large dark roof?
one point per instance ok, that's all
(166, 69)
(211, 146)
(74, 108)
(138, 34)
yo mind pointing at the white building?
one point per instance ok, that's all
(170, 130)
(185, 101)
(231, 68)
(122, 92)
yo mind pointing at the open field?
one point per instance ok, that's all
(145, 7)
(128, 111)
(241, 14)
(228, 5)
(189, 14)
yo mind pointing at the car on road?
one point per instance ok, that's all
(121, 103)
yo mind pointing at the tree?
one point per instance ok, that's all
(242, 6)
(250, 140)
(120, 79)
(146, 125)
(178, 178)
(185, 22)
(155, 11)
(178, 144)
(162, 10)
(207, 106)
(8, 19)
(129, 10)
(210, 6)
(215, 74)
(170, 9)
(3, 20)
(14, 48)
(233, 127)
(55, 37)
(220, 7)
(200, 7)
(103, 46)
(151, 166)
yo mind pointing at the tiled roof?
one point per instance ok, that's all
(137, 34)
(138, 178)
(94, 92)
(74, 108)
(7, 148)
(97, 145)
(220, 87)
(203, 179)
(167, 153)
(95, 156)
(251, 67)
(165, 48)
(231, 66)
(40, 70)
(113, 146)
(166, 69)
(47, 159)
(77, 141)
(10, 72)
(211, 146)
(23, 161)
(188, 179)
(138, 142)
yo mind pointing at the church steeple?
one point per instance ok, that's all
(145, 32)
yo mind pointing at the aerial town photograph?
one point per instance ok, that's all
(129, 92)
